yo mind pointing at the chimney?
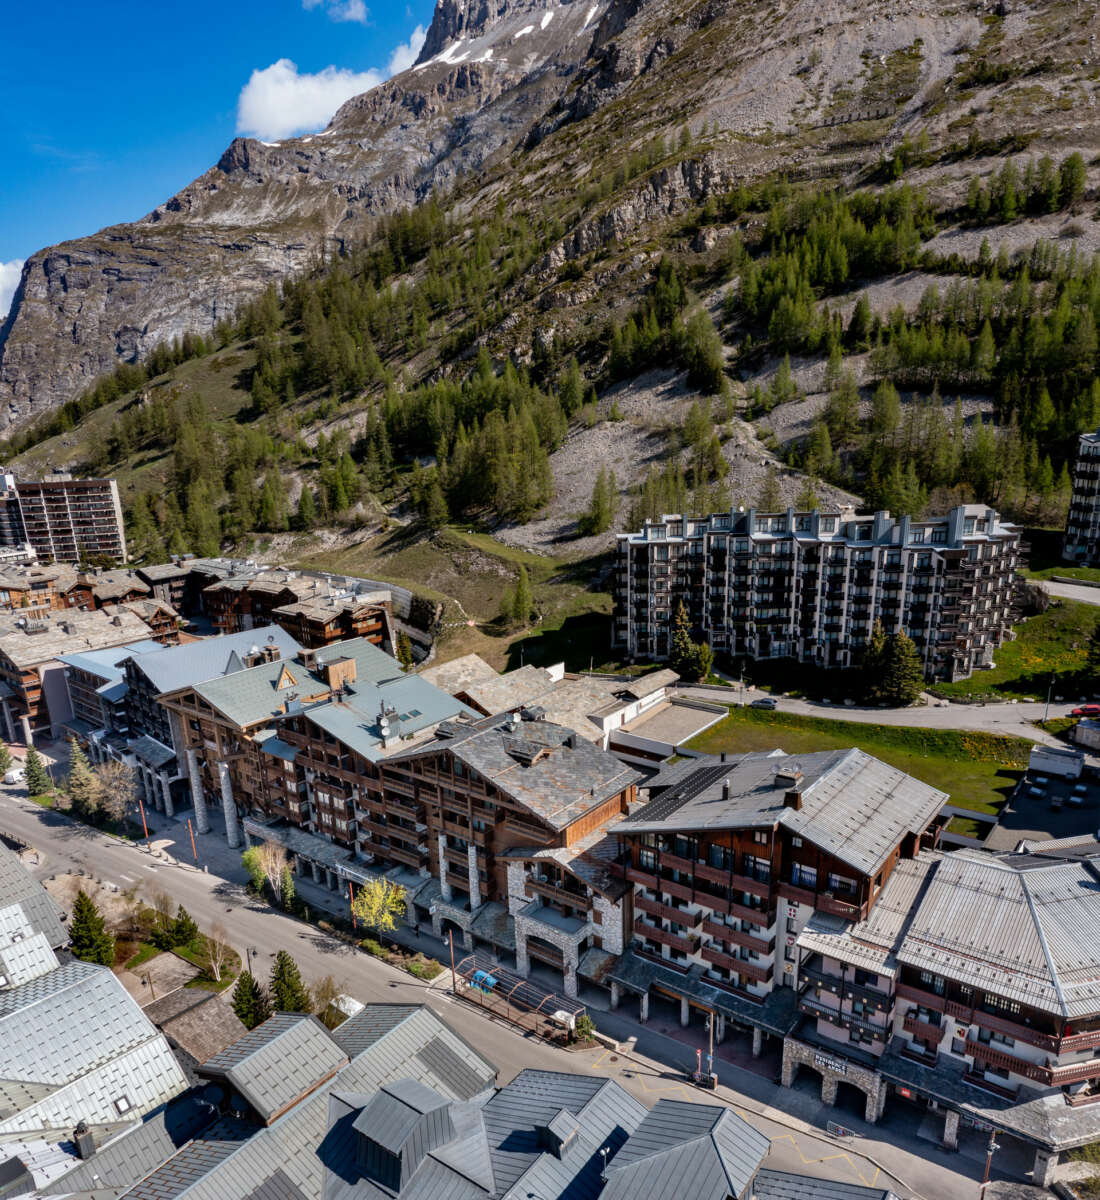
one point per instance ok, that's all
(725, 789)
(85, 1143)
(792, 798)
(340, 673)
(722, 756)
(790, 778)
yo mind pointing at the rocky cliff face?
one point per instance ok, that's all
(266, 210)
(526, 99)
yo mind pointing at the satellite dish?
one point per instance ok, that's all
(384, 723)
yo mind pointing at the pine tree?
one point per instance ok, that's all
(436, 512)
(90, 940)
(307, 509)
(250, 1001)
(770, 498)
(521, 600)
(601, 507)
(404, 650)
(902, 673)
(872, 662)
(681, 648)
(184, 929)
(38, 779)
(1093, 656)
(82, 786)
(5, 759)
(288, 993)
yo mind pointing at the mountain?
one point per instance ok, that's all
(267, 210)
(726, 251)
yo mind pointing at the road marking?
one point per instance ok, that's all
(128, 879)
(787, 1137)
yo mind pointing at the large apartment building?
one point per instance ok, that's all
(1082, 539)
(64, 519)
(811, 585)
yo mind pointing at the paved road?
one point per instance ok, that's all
(653, 1066)
(1072, 591)
(990, 718)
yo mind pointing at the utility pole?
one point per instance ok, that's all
(989, 1159)
(451, 939)
(1050, 689)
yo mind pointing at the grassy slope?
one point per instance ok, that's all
(1054, 642)
(977, 770)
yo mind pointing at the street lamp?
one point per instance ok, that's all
(1050, 689)
(249, 951)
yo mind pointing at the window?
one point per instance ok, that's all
(761, 837)
(939, 535)
(796, 841)
(828, 524)
(122, 1104)
(932, 982)
(958, 1046)
(802, 876)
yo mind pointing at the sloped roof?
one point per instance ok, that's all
(853, 806)
(19, 886)
(682, 1149)
(278, 1062)
(545, 768)
(70, 632)
(1038, 937)
(370, 1024)
(107, 664)
(175, 667)
(782, 1185)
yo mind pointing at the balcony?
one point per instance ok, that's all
(841, 1018)
(726, 933)
(656, 934)
(738, 966)
(667, 912)
(645, 878)
(998, 1089)
(1021, 1033)
(458, 857)
(679, 890)
(1006, 1062)
(412, 858)
(675, 863)
(923, 1030)
(837, 907)
(559, 894)
(1073, 1073)
(799, 895)
(737, 883)
(456, 830)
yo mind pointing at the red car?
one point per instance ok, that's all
(1087, 710)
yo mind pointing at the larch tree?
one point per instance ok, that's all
(379, 904)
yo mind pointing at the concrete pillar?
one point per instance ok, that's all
(333, 882)
(1046, 1163)
(523, 963)
(616, 994)
(475, 883)
(569, 981)
(437, 925)
(9, 724)
(872, 1110)
(685, 1011)
(25, 725)
(229, 807)
(166, 790)
(315, 871)
(468, 939)
(719, 1028)
(202, 820)
(757, 1041)
(828, 1090)
(444, 884)
(643, 1008)
(951, 1130)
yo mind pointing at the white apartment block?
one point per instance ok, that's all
(1082, 540)
(811, 585)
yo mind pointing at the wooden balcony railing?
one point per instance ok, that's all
(738, 966)
(736, 937)
(667, 913)
(925, 1030)
(656, 934)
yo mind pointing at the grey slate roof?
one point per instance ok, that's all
(194, 662)
(18, 886)
(152, 752)
(701, 1151)
(780, 1185)
(278, 1062)
(854, 807)
(546, 768)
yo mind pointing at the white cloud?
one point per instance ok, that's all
(406, 54)
(341, 10)
(9, 281)
(278, 102)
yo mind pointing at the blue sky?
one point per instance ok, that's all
(107, 108)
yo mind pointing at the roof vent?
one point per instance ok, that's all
(557, 1134)
(725, 789)
(85, 1143)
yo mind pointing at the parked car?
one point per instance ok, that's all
(1087, 710)
(1040, 780)
(1036, 793)
(1056, 803)
(765, 702)
(15, 775)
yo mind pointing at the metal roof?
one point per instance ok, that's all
(194, 662)
(107, 664)
(365, 1028)
(19, 886)
(682, 1149)
(278, 1062)
(1038, 937)
(781, 1185)
(853, 806)
(152, 752)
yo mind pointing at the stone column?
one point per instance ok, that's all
(523, 963)
(643, 1008)
(757, 1041)
(333, 882)
(202, 820)
(872, 1110)
(1046, 1163)
(719, 1028)
(444, 884)
(616, 994)
(685, 1011)
(569, 971)
(468, 939)
(229, 807)
(9, 725)
(472, 875)
(315, 871)
(951, 1130)
(828, 1090)
(789, 1066)
(437, 925)
(166, 790)
(25, 725)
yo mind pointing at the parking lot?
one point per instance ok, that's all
(1048, 806)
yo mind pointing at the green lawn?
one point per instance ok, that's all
(977, 770)
(1054, 642)
(1045, 558)
(146, 952)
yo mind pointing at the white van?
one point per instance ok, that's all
(16, 775)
